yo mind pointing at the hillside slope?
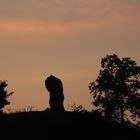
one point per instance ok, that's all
(54, 126)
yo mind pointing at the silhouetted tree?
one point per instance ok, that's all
(116, 89)
(4, 95)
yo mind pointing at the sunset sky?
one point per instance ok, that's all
(65, 38)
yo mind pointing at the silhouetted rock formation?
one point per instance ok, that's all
(55, 88)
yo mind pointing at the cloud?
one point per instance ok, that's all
(46, 27)
(67, 10)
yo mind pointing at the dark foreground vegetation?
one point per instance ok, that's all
(62, 125)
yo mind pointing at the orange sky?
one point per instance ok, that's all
(65, 38)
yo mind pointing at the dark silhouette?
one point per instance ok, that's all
(116, 89)
(45, 125)
(4, 95)
(55, 87)
(55, 125)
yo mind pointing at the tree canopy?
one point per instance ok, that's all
(4, 95)
(116, 89)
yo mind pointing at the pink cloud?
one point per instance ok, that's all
(46, 27)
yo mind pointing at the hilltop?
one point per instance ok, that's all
(61, 125)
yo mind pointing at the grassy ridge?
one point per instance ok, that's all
(55, 125)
